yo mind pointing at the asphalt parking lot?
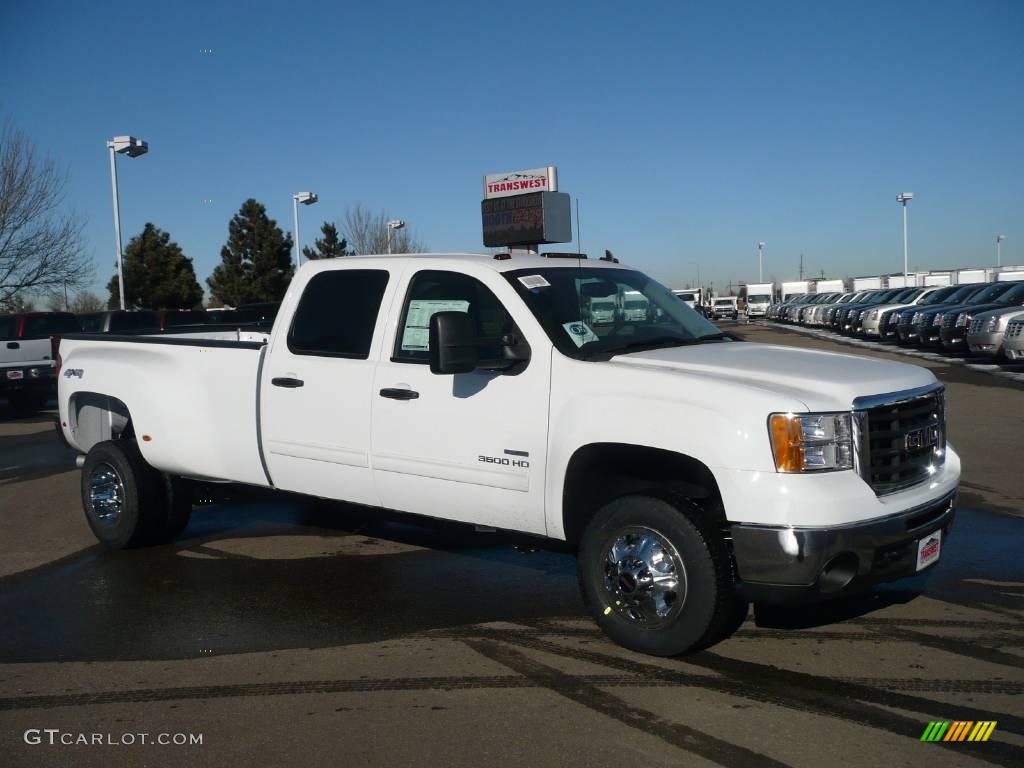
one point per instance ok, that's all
(286, 632)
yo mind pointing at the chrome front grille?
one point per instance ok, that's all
(1014, 329)
(976, 325)
(902, 440)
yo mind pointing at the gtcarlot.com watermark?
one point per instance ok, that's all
(55, 737)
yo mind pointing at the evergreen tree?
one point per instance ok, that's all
(329, 246)
(256, 262)
(157, 274)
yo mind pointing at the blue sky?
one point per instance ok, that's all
(688, 131)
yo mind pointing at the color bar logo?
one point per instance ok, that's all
(959, 730)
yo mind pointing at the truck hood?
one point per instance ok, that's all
(821, 380)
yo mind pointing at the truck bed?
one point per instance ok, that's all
(193, 398)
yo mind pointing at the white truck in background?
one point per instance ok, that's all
(27, 362)
(691, 473)
(724, 306)
(759, 297)
(794, 287)
(829, 286)
(691, 297)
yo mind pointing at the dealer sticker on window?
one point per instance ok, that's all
(534, 281)
(928, 549)
(579, 332)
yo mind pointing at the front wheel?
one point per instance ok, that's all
(654, 580)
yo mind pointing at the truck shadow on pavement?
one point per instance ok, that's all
(270, 577)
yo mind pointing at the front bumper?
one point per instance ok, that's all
(985, 343)
(952, 337)
(805, 564)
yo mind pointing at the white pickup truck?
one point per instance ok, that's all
(27, 377)
(691, 472)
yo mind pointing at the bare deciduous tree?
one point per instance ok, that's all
(40, 246)
(87, 302)
(367, 232)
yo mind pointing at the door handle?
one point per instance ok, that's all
(287, 382)
(400, 394)
(13, 345)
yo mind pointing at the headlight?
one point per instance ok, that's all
(810, 442)
(937, 320)
(894, 318)
(962, 319)
(873, 315)
(916, 317)
(992, 324)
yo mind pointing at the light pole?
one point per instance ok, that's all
(905, 197)
(393, 225)
(760, 261)
(999, 249)
(133, 147)
(306, 198)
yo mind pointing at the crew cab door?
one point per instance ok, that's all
(315, 386)
(471, 446)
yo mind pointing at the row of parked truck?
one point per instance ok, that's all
(29, 340)
(984, 319)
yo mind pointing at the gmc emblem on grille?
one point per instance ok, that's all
(922, 438)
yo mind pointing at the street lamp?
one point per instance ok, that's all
(306, 198)
(393, 225)
(905, 197)
(133, 147)
(760, 261)
(999, 249)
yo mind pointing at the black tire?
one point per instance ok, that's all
(709, 607)
(135, 491)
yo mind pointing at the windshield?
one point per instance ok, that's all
(757, 299)
(723, 302)
(584, 312)
(878, 298)
(1014, 295)
(937, 297)
(991, 293)
(962, 294)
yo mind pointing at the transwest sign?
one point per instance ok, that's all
(521, 182)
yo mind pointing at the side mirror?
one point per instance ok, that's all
(454, 346)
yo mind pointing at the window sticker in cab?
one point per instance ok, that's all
(417, 321)
(579, 332)
(534, 281)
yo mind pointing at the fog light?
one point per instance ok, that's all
(838, 572)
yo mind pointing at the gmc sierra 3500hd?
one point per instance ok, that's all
(692, 472)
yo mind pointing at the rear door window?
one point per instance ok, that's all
(337, 313)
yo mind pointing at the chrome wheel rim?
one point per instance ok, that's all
(645, 577)
(106, 494)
